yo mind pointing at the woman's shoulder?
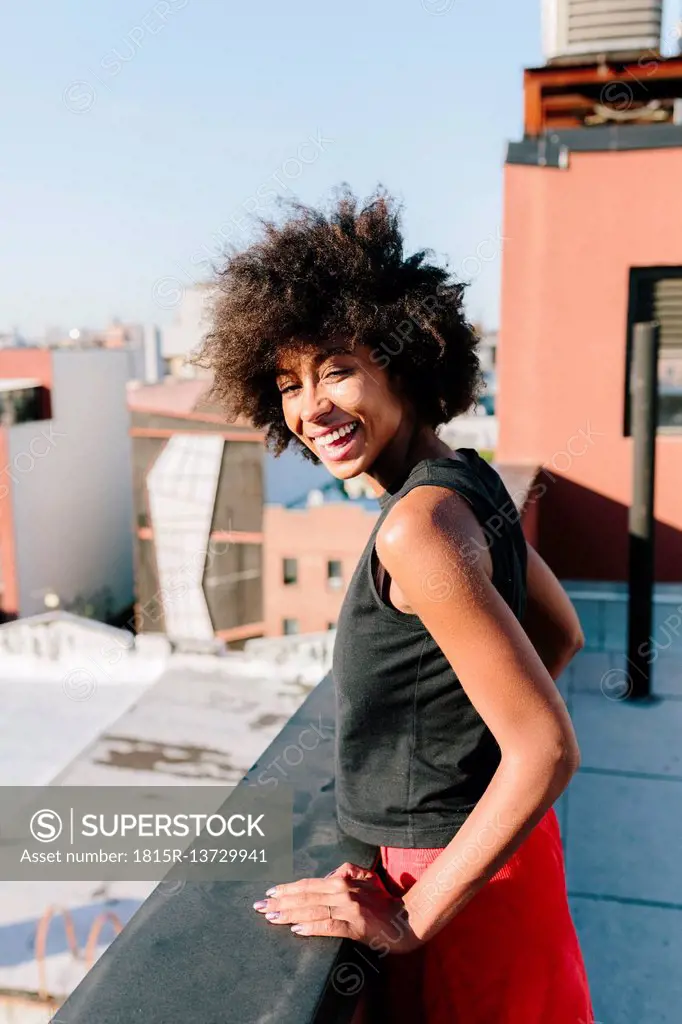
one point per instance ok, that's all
(436, 502)
(473, 485)
(464, 471)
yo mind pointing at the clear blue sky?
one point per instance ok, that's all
(133, 133)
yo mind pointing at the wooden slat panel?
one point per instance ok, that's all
(667, 309)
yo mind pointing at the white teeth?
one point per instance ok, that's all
(334, 435)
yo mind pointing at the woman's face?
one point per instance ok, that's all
(342, 406)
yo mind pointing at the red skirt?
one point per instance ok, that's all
(511, 956)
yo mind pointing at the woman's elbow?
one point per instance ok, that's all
(558, 759)
(578, 640)
(565, 761)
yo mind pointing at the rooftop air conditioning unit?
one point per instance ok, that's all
(585, 30)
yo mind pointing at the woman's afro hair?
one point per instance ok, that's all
(339, 274)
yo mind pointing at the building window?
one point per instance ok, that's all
(334, 573)
(289, 626)
(290, 570)
(656, 294)
(23, 404)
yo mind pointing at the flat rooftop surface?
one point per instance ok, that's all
(204, 721)
(42, 731)
(620, 817)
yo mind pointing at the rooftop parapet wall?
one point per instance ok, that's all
(203, 954)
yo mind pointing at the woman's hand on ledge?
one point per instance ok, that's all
(350, 903)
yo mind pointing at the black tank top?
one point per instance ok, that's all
(413, 756)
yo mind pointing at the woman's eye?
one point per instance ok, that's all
(287, 389)
(338, 373)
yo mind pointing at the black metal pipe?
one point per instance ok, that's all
(644, 420)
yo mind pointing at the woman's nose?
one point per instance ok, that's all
(316, 401)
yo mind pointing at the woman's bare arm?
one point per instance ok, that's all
(550, 621)
(426, 533)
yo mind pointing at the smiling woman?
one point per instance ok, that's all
(339, 405)
(452, 740)
(344, 280)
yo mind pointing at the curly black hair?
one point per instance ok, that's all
(342, 274)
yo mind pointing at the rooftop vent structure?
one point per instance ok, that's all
(586, 31)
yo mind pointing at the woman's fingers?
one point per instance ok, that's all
(330, 928)
(308, 902)
(300, 904)
(333, 884)
(336, 881)
(353, 871)
(314, 912)
(304, 899)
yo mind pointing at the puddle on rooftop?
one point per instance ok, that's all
(182, 760)
(268, 719)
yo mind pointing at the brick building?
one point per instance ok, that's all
(311, 549)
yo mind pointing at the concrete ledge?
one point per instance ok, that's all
(203, 955)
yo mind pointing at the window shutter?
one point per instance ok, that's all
(657, 296)
(667, 309)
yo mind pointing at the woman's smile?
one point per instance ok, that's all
(339, 444)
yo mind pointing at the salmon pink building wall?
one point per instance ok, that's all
(338, 531)
(571, 237)
(27, 362)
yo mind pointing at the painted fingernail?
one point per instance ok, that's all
(272, 891)
(297, 928)
(260, 905)
(273, 915)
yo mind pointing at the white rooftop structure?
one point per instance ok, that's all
(474, 430)
(587, 28)
(86, 704)
(18, 383)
